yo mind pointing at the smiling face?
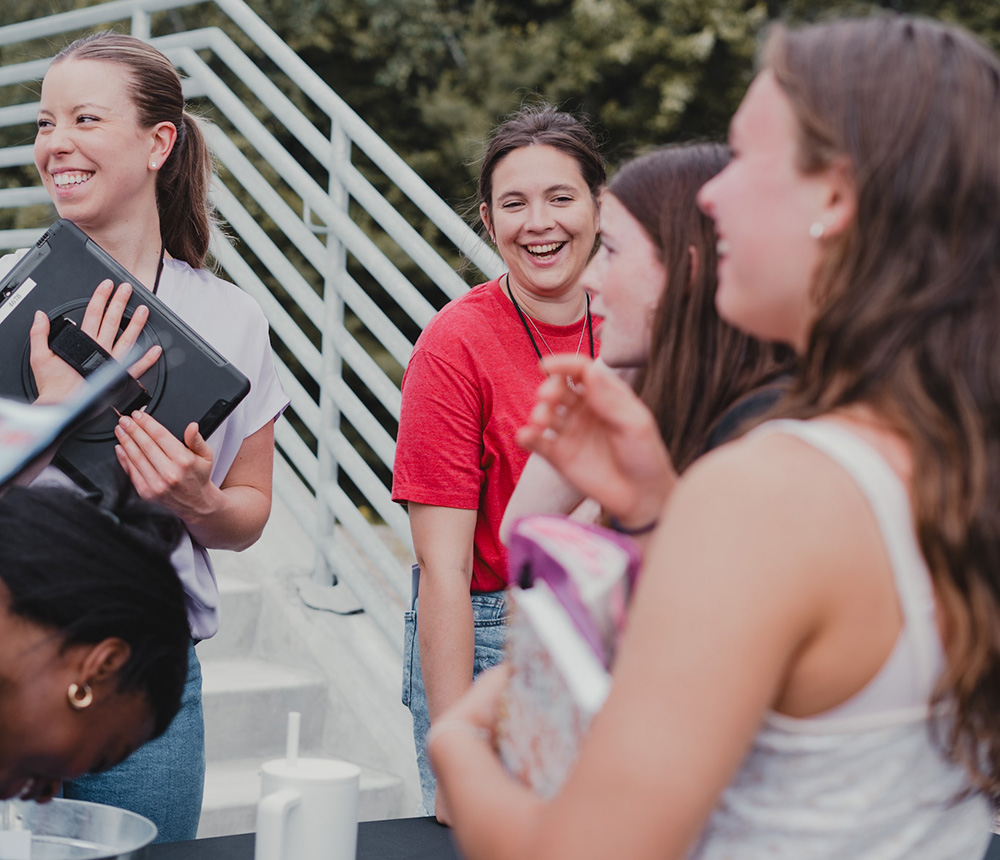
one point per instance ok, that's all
(627, 279)
(91, 153)
(763, 209)
(543, 219)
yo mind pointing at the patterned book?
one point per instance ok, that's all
(569, 609)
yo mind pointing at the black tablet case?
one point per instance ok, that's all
(190, 381)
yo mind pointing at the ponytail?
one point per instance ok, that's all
(186, 216)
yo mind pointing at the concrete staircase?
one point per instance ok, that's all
(274, 655)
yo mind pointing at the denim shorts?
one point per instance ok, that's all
(489, 616)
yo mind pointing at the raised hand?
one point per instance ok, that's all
(591, 426)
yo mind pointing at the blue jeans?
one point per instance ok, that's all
(163, 780)
(490, 629)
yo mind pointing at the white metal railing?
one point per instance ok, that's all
(314, 304)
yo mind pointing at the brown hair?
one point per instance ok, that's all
(186, 215)
(542, 125)
(908, 301)
(699, 366)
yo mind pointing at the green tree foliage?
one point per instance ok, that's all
(433, 76)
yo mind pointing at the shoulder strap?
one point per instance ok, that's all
(890, 504)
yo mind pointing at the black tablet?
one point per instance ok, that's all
(190, 381)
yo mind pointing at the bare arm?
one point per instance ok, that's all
(719, 627)
(541, 489)
(442, 540)
(596, 432)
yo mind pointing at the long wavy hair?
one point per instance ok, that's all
(183, 182)
(699, 366)
(908, 301)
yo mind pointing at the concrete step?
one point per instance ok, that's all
(232, 790)
(247, 702)
(239, 615)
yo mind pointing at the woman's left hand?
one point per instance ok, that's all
(163, 469)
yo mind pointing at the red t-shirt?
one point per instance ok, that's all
(470, 384)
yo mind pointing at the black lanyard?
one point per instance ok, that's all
(527, 328)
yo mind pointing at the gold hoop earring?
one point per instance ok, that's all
(80, 697)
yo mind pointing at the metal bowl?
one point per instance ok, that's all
(78, 830)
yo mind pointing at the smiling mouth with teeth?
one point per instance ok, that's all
(544, 250)
(75, 177)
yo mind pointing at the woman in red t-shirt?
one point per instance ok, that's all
(470, 384)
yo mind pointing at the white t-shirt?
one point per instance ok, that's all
(231, 321)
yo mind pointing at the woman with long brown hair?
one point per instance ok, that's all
(812, 667)
(468, 387)
(653, 281)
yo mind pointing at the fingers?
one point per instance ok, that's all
(146, 362)
(150, 447)
(112, 319)
(566, 364)
(103, 318)
(194, 440)
(38, 789)
(151, 456)
(92, 316)
(54, 379)
(127, 339)
(38, 337)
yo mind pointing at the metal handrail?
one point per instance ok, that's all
(367, 563)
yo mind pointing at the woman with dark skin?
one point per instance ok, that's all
(93, 635)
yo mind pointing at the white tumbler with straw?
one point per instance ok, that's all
(309, 806)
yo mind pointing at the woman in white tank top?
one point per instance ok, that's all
(812, 663)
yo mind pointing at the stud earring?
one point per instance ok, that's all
(80, 697)
(152, 165)
(817, 229)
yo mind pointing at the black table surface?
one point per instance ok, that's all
(395, 839)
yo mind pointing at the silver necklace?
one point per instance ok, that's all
(526, 320)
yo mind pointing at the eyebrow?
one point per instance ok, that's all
(82, 106)
(552, 189)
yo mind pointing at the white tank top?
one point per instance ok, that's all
(865, 780)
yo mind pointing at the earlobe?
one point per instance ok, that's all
(104, 660)
(842, 199)
(484, 215)
(164, 138)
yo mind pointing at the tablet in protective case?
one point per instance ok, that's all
(190, 382)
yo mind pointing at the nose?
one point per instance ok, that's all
(539, 216)
(592, 276)
(55, 140)
(706, 198)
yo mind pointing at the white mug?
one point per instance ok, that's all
(308, 810)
